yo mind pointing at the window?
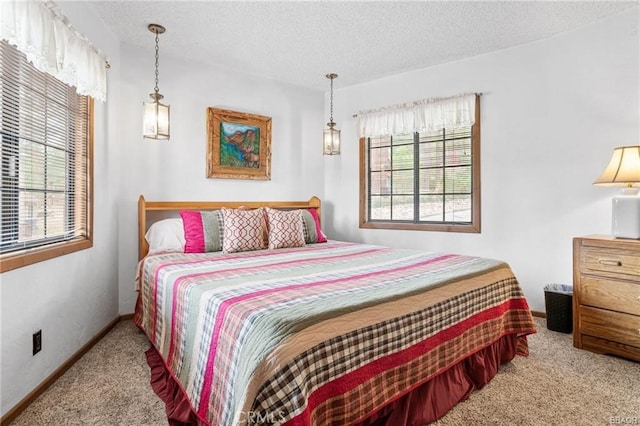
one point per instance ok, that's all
(422, 181)
(46, 130)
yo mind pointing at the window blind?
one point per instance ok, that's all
(421, 177)
(45, 131)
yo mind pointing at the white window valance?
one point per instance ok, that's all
(40, 30)
(419, 116)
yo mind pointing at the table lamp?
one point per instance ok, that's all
(624, 169)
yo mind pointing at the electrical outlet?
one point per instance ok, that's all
(37, 341)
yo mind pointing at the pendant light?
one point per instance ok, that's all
(331, 135)
(155, 124)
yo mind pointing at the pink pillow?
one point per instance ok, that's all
(321, 237)
(202, 230)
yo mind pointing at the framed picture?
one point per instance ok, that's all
(239, 145)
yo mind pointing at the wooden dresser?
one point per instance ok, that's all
(606, 295)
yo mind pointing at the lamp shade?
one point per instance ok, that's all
(623, 168)
(155, 122)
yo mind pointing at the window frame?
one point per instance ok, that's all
(473, 227)
(31, 255)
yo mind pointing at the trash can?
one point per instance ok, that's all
(558, 301)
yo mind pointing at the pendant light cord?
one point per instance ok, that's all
(331, 103)
(157, 63)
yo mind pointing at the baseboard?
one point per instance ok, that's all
(27, 400)
(539, 314)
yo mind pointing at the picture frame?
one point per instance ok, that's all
(238, 145)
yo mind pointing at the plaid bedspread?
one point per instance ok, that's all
(323, 334)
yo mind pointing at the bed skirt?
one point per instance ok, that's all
(424, 404)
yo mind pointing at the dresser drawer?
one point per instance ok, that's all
(610, 261)
(621, 296)
(614, 326)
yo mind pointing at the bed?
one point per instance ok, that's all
(318, 333)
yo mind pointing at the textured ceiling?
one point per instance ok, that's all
(299, 42)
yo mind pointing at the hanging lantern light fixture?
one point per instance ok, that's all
(155, 124)
(331, 135)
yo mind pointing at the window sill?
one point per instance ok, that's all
(445, 227)
(27, 257)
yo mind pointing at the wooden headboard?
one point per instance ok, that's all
(145, 207)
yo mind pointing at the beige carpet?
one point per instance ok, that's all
(556, 384)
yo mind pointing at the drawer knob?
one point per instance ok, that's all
(610, 262)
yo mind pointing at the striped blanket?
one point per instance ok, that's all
(323, 334)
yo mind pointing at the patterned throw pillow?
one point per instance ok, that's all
(285, 228)
(243, 230)
(202, 230)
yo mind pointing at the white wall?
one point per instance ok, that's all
(552, 112)
(70, 298)
(175, 169)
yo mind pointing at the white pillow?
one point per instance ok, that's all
(166, 235)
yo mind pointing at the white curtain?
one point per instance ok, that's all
(40, 30)
(420, 116)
